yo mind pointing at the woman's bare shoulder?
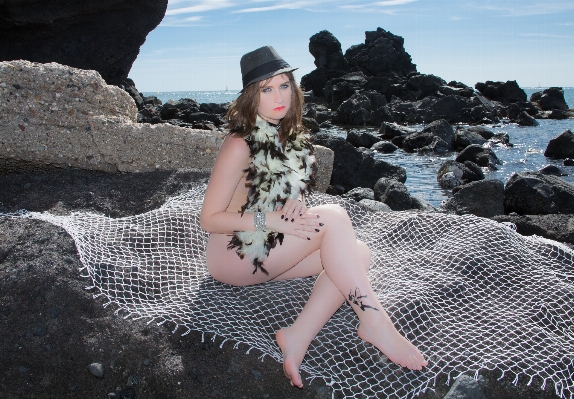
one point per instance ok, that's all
(235, 145)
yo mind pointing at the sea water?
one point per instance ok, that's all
(526, 154)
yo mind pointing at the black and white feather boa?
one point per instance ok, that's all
(275, 175)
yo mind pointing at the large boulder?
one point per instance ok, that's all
(559, 227)
(483, 198)
(452, 174)
(504, 92)
(339, 89)
(424, 85)
(465, 137)
(382, 54)
(550, 99)
(390, 130)
(329, 61)
(534, 193)
(354, 167)
(55, 115)
(393, 193)
(103, 35)
(362, 138)
(561, 146)
(437, 136)
(363, 108)
(481, 156)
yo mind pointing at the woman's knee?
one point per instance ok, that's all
(333, 213)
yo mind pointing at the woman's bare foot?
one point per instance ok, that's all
(397, 348)
(294, 351)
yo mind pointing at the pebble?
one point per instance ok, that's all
(96, 369)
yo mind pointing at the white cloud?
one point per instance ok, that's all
(283, 6)
(455, 18)
(523, 8)
(201, 6)
(389, 3)
(378, 6)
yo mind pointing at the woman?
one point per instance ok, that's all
(256, 196)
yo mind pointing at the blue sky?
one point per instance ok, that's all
(199, 42)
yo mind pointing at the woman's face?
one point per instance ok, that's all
(274, 98)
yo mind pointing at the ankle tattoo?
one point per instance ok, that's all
(357, 299)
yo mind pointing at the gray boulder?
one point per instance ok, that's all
(424, 85)
(441, 128)
(559, 227)
(360, 193)
(534, 193)
(421, 205)
(481, 156)
(505, 92)
(389, 130)
(362, 138)
(483, 198)
(424, 143)
(561, 146)
(339, 89)
(465, 387)
(374, 206)
(363, 108)
(393, 193)
(465, 137)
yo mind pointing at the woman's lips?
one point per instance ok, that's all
(279, 108)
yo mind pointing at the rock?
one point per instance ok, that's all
(424, 85)
(362, 138)
(456, 89)
(363, 108)
(534, 193)
(389, 130)
(72, 118)
(568, 162)
(481, 156)
(353, 167)
(465, 137)
(453, 173)
(374, 206)
(329, 61)
(311, 124)
(360, 193)
(130, 87)
(559, 227)
(213, 108)
(104, 36)
(483, 198)
(339, 89)
(558, 114)
(524, 119)
(552, 170)
(126, 393)
(96, 369)
(382, 54)
(393, 193)
(485, 133)
(505, 92)
(465, 387)
(385, 147)
(424, 142)
(421, 205)
(550, 99)
(561, 146)
(441, 128)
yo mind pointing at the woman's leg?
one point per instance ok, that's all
(324, 301)
(340, 257)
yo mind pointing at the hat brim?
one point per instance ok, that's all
(269, 75)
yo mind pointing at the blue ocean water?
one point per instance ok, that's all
(526, 154)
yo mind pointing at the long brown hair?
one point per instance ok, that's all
(242, 113)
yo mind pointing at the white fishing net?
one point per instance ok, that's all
(472, 294)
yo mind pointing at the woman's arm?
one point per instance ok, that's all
(232, 160)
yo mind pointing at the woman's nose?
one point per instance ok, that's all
(278, 96)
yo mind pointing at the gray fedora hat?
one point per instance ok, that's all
(262, 64)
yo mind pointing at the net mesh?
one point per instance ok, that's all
(471, 294)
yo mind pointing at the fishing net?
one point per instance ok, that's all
(472, 295)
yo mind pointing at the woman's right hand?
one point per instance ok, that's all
(303, 227)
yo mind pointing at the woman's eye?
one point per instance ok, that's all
(284, 85)
(266, 90)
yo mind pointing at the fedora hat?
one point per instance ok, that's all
(262, 64)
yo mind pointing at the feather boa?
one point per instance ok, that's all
(275, 175)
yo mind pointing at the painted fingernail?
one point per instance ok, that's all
(282, 216)
(317, 216)
(317, 230)
(321, 224)
(308, 238)
(292, 220)
(286, 219)
(300, 214)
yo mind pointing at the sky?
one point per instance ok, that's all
(199, 43)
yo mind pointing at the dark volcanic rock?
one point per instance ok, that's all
(393, 193)
(354, 167)
(424, 85)
(483, 198)
(465, 137)
(437, 136)
(534, 193)
(561, 146)
(559, 227)
(390, 130)
(382, 54)
(362, 139)
(452, 173)
(363, 108)
(505, 92)
(549, 99)
(385, 147)
(340, 89)
(481, 156)
(102, 35)
(360, 193)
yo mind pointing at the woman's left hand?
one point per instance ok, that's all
(293, 209)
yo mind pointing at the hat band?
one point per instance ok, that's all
(264, 69)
